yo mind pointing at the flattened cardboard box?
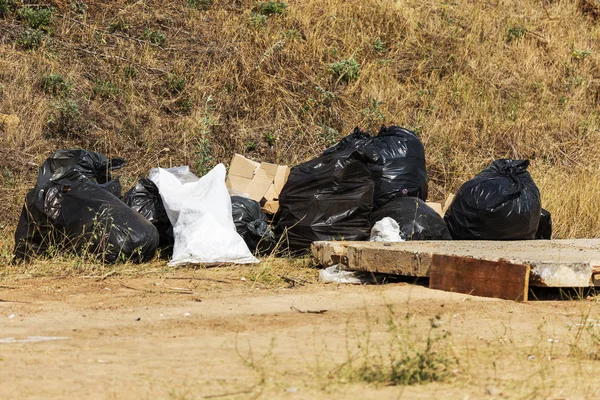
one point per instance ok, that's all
(262, 182)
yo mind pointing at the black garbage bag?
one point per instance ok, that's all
(501, 203)
(396, 158)
(328, 198)
(544, 230)
(145, 198)
(355, 140)
(78, 164)
(35, 233)
(252, 225)
(416, 219)
(75, 207)
(93, 221)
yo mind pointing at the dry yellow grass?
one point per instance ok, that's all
(477, 80)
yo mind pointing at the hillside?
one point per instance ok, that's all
(194, 81)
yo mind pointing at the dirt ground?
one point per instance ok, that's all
(218, 335)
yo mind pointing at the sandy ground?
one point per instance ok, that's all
(195, 338)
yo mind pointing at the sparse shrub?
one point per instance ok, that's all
(65, 118)
(408, 361)
(175, 83)
(106, 89)
(155, 37)
(258, 20)
(204, 156)
(79, 7)
(56, 85)
(373, 113)
(268, 8)
(31, 39)
(200, 4)
(40, 18)
(345, 70)
(7, 7)
(516, 32)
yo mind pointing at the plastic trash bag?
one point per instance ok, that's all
(417, 221)
(328, 198)
(75, 207)
(76, 164)
(544, 230)
(145, 199)
(501, 203)
(337, 274)
(396, 159)
(385, 230)
(201, 215)
(252, 225)
(82, 217)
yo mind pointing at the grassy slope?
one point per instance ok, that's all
(477, 80)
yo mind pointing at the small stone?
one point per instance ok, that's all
(11, 316)
(492, 390)
(187, 314)
(291, 390)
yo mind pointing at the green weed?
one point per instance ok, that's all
(200, 4)
(37, 18)
(155, 37)
(65, 118)
(175, 84)
(31, 39)
(345, 70)
(270, 138)
(580, 54)
(514, 33)
(106, 89)
(268, 8)
(56, 85)
(7, 7)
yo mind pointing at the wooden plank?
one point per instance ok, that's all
(388, 260)
(499, 279)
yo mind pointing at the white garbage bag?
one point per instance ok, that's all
(200, 212)
(385, 230)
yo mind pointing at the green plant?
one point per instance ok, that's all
(130, 72)
(373, 113)
(258, 20)
(7, 7)
(37, 18)
(407, 361)
(200, 4)
(79, 7)
(155, 37)
(105, 89)
(65, 118)
(183, 105)
(270, 138)
(56, 85)
(516, 32)
(118, 26)
(175, 84)
(268, 8)
(345, 70)
(204, 156)
(31, 39)
(251, 145)
(580, 54)
(379, 46)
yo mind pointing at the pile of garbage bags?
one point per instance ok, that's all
(365, 187)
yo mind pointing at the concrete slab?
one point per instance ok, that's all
(554, 263)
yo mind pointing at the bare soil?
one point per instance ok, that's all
(199, 337)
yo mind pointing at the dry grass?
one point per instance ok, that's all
(163, 83)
